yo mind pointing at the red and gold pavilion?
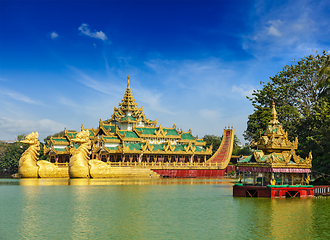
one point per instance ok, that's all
(274, 168)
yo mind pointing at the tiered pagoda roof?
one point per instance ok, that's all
(129, 131)
(128, 111)
(275, 150)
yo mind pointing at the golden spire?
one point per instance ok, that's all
(274, 115)
(128, 86)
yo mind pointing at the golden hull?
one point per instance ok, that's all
(79, 171)
(50, 170)
(28, 171)
(99, 169)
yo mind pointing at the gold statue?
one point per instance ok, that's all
(307, 179)
(80, 166)
(28, 167)
(272, 181)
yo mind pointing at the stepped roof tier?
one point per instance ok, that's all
(274, 152)
(129, 132)
(128, 112)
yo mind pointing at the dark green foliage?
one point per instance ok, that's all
(42, 156)
(324, 180)
(245, 151)
(301, 93)
(11, 153)
(20, 137)
(213, 140)
(9, 161)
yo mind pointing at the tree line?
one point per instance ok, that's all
(301, 92)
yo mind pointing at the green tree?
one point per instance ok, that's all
(11, 153)
(213, 140)
(301, 93)
(9, 161)
(20, 137)
(245, 151)
(314, 135)
(42, 155)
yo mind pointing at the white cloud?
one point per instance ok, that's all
(273, 29)
(205, 78)
(109, 87)
(152, 99)
(20, 97)
(287, 29)
(10, 128)
(68, 102)
(54, 35)
(243, 90)
(84, 28)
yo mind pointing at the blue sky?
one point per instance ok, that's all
(192, 63)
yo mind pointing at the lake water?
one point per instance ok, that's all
(152, 209)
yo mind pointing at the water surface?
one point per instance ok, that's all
(152, 209)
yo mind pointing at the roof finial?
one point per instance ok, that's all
(128, 81)
(274, 114)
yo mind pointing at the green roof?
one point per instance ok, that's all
(128, 118)
(134, 146)
(198, 149)
(112, 137)
(151, 131)
(245, 160)
(172, 132)
(147, 131)
(59, 140)
(107, 127)
(187, 136)
(71, 134)
(179, 148)
(129, 134)
(158, 147)
(60, 149)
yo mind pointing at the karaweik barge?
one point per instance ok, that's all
(127, 145)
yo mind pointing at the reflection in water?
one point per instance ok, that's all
(113, 181)
(279, 218)
(152, 209)
(291, 217)
(81, 213)
(29, 213)
(43, 181)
